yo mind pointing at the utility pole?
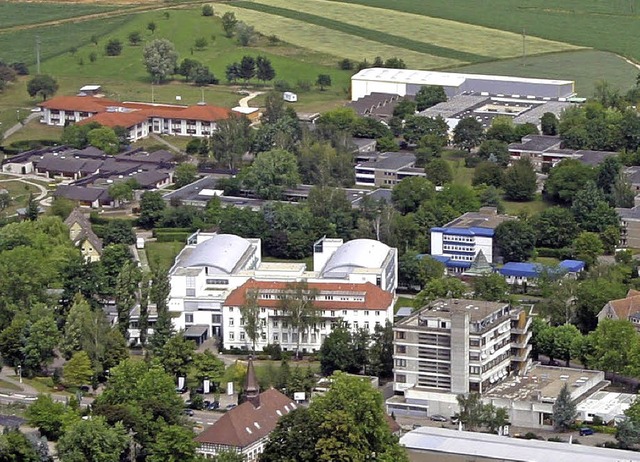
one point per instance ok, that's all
(38, 53)
(152, 93)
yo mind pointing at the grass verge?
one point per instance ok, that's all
(162, 253)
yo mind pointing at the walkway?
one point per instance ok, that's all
(42, 189)
(244, 102)
(165, 142)
(11, 130)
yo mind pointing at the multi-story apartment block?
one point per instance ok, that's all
(359, 306)
(460, 346)
(457, 243)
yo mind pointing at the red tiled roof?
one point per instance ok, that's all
(117, 119)
(626, 307)
(79, 103)
(246, 424)
(375, 298)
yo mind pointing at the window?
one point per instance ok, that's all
(263, 310)
(263, 335)
(242, 336)
(355, 324)
(231, 336)
(377, 313)
(366, 325)
(188, 318)
(401, 362)
(285, 324)
(344, 312)
(230, 309)
(276, 337)
(401, 349)
(275, 323)
(366, 313)
(400, 335)
(323, 325)
(263, 322)
(216, 319)
(285, 337)
(333, 313)
(242, 321)
(231, 322)
(401, 378)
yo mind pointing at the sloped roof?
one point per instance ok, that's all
(374, 297)
(117, 119)
(626, 307)
(359, 253)
(246, 424)
(79, 193)
(79, 103)
(76, 216)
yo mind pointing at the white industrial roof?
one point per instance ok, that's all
(504, 448)
(359, 253)
(607, 405)
(445, 79)
(222, 252)
(91, 88)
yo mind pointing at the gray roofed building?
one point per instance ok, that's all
(220, 253)
(593, 158)
(375, 104)
(387, 170)
(453, 107)
(534, 115)
(90, 152)
(82, 235)
(359, 253)
(92, 197)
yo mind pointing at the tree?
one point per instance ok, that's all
(337, 352)
(200, 43)
(564, 340)
(566, 179)
(42, 85)
(247, 69)
(207, 10)
(15, 446)
(429, 132)
(5, 201)
(49, 416)
(439, 172)
(298, 307)
(430, 95)
(32, 209)
(555, 228)
(471, 410)
(125, 293)
(502, 130)
(495, 151)
(177, 355)
(591, 210)
(151, 209)
(113, 47)
(587, 247)
(159, 294)
(185, 174)
(135, 38)
(93, 440)
(118, 232)
(404, 108)
(228, 456)
(614, 347)
(515, 240)
(250, 311)
(208, 365)
(152, 27)
(40, 345)
(347, 423)
(520, 181)
(488, 173)
(245, 34)
(229, 22)
(231, 140)
(160, 59)
(105, 139)
(627, 433)
(264, 69)
(271, 172)
(323, 80)
(491, 287)
(449, 287)
(174, 443)
(564, 410)
(410, 193)
(468, 133)
(143, 319)
(78, 370)
(549, 124)
(381, 351)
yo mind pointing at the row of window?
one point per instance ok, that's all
(458, 248)
(448, 237)
(331, 313)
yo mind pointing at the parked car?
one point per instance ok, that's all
(230, 406)
(213, 406)
(188, 412)
(586, 431)
(438, 418)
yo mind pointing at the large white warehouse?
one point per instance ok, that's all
(407, 82)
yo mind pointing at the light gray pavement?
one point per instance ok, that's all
(244, 102)
(17, 127)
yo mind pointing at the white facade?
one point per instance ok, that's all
(181, 127)
(61, 117)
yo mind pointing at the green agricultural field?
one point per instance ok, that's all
(445, 34)
(586, 67)
(331, 41)
(22, 13)
(605, 25)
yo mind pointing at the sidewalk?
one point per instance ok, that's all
(7, 375)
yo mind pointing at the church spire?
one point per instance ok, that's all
(251, 386)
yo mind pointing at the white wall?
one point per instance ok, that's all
(436, 243)
(361, 88)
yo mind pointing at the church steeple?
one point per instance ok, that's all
(251, 386)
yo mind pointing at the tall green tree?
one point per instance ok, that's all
(299, 309)
(15, 446)
(566, 179)
(337, 352)
(207, 365)
(185, 174)
(78, 370)
(381, 351)
(520, 181)
(491, 287)
(592, 211)
(39, 349)
(549, 124)
(174, 443)
(564, 410)
(231, 141)
(159, 295)
(515, 240)
(177, 355)
(588, 247)
(439, 172)
(430, 95)
(555, 228)
(229, 22)
(93, 440)
(151, 209)
(42, 85)
(468, 134)
(126, 293)
(471, 410)
(160, 59)
(271, 173)
(250, 311)
(50, 417)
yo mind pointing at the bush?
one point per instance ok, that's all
(471, 161)
(274, 351)
(561, 254)
(173, 237)
(303, 85)
(555, 439)
(113, 47)
(207, 10)
(345, 64)
(282, 85)
(158, 231)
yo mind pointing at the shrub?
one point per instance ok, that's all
(172, 237)
(560, 254)
(113, 47)
(346, 64)
(282, 85)
(207, 10)
(471, 161)
(303, 85)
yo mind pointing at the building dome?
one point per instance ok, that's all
(359, 253)
(222, 252)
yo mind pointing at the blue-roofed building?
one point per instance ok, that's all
(457, 243)
(528, 273)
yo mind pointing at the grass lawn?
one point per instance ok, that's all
(549, 261)
(571, 21)
(34, 130)
(43, 385)
(8, 385)
(461, 174)
(19, 13)
(586, 67)
(19, 193)
(401, 302)
(163, 253)
(530, 208)
(445, 34)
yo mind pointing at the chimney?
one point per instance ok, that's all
(251, 386)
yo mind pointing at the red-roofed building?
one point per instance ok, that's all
(359, 305)
(627, 309)
(140, 119)
(246, 428)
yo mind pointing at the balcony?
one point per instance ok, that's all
(521, 330)
(523, 354)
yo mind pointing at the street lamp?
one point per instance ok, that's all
(20, 372)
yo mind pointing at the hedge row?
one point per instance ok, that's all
(564, 253)
(157, 231)
(172, 237)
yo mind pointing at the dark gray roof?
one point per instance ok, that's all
(196, 331)
(632, 174)
(151, 178)
(90, 151)
(536, 143)
(455, 106)
(632, 213)
(61, 163)
(144, 156)
(594, 158)
(79, 193)
(391, 161)
(193, 190)
(370, 103)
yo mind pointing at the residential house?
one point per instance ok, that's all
(86, 197)
(387, 169)
(458, 243)
(83, 236)
(245, 429)
(627, 308)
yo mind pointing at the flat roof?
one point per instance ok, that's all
(444, 440)
(544, 382)
(444, 308)
(604, 403)
(448, 79)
